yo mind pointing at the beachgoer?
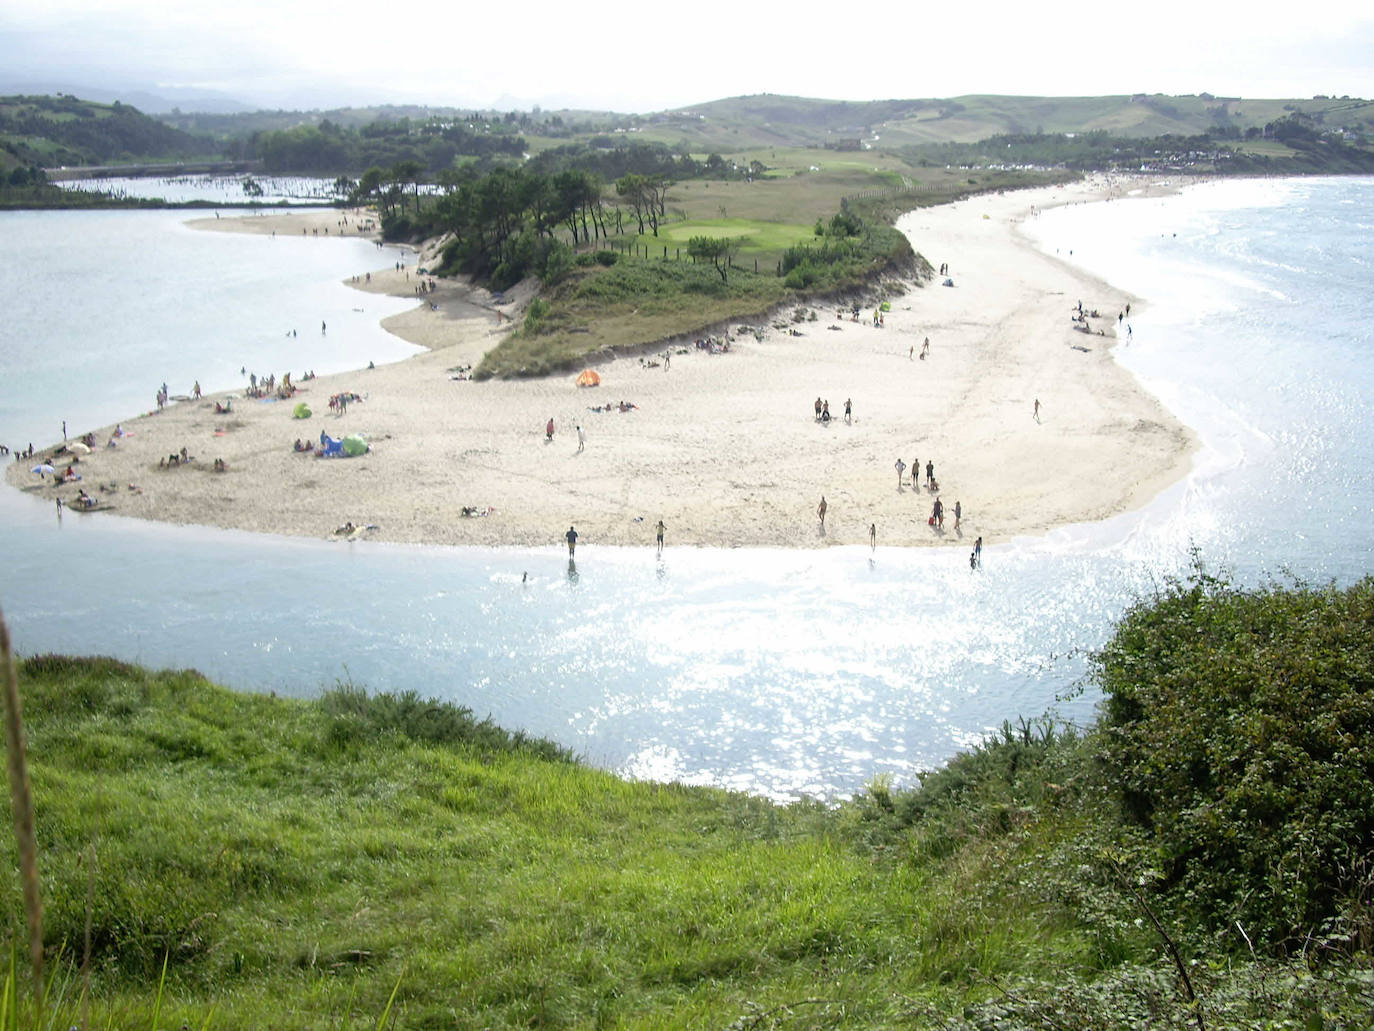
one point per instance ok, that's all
(321, 325)
(958, 513)
(873, 536)
(901, 468)
(195, 390)
(930, 472)
(1037, 409)
(939, 513)
(581, 439)
(848, 410)
(659, 530)
(571, 538)
(818, 409)
(973, 560)
(820, 512)
(925, 348)
(825, 412)
(548, 430)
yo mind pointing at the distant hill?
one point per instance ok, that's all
(48, 131)
(770, 120)
(150, 100)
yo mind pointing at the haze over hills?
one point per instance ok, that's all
(150, 99)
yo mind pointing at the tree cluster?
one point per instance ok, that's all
(504, 225)
(331, 149)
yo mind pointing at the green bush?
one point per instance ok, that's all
(557, 262)
(535, 314)
(1240, 728)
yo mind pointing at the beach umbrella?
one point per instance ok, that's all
(41, 469)
(77, 445)
(589, 378)
(354, 445)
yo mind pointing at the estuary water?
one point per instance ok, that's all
(784, 673)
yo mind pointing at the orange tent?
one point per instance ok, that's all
(588, 378)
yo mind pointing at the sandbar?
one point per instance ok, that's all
(724, 448)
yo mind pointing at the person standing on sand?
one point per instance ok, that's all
(848, 410)
(571, 538)
(820, 512)
(818, 409)
(978, 550)
(322, 328)
(872, 536)
(930, 472)
(659, 530)
(958, 513)
(581, 439)
(195, 391)
(925, 349)
(939, 513)
(901, 468)
(1037, 409)
(548, 431)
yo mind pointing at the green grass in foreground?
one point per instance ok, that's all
(354, 862)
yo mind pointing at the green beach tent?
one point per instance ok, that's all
(354, 445)
(301, 411)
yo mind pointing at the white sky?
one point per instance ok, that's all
(641, 57)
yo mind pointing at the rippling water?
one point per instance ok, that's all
(779, 672)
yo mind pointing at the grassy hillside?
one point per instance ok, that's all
(245, 861)
(767, 120)
(51, 131)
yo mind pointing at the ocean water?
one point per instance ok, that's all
(783, 673)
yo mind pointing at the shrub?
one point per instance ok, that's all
(557, 262)
(535, 314)
(1240, 728)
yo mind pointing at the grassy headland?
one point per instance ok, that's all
(333, 862)
(807, 236)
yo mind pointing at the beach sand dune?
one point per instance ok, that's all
(723, 447)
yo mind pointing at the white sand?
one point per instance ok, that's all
(723, 448)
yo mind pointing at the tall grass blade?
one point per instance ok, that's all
(22, 796)
(161, 984)
(381, 1021)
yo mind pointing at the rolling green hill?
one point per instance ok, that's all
(63, 130)
(776, 121)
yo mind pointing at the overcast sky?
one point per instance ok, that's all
(641, 57)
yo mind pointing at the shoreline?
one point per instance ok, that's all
(722, 447)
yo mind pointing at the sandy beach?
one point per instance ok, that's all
(724, 448)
